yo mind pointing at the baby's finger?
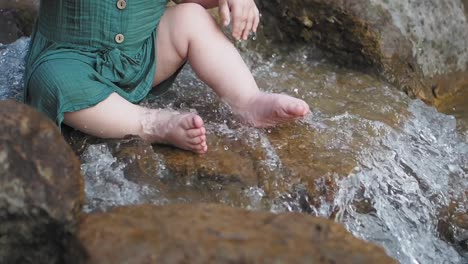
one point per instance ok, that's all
(248, 25)
(224, 12)
(238, 23)
(242, 27)
(256, 20)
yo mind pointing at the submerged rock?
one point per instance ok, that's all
(41, 187)
(218, 234)
(421, 47)
(453, 224)
(456, 104)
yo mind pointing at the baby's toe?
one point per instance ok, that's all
(191, 121)
(197, 140)
(196, 132)
(197, 122)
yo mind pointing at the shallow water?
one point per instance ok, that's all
(367, 155)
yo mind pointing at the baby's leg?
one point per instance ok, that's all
(188, 31)
(115, 118)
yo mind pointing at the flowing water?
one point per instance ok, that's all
(380, 163)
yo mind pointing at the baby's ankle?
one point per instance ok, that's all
(245, 101)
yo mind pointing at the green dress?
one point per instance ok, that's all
(83, 50)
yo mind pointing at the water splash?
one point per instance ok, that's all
(407, 177)
(105, 182)
(12, 61)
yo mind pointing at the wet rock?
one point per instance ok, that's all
(41, 188)
(218, 234)
(10, 31)
(289, 167)
(179, 176)
(295, 166)
(421, 47)
(453, 225)
(455, 104)
(17, 19)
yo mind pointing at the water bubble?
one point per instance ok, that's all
(253, 35)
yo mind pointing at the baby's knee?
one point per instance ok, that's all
(194, 16)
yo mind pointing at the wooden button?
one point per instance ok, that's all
(119, 38)
(121, 4)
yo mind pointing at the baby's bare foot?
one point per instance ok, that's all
(182, 130)
(266, 109)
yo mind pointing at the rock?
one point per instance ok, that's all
(17, 19)
(421, 47)
(41, 187)
(10, 31)
(453, 225)
(455, 104)
(201, 233)
(291, 167)
(297, 167)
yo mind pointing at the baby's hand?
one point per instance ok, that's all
(245, 16)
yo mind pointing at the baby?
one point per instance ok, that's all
(91, 61)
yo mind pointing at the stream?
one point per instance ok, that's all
(368, 156)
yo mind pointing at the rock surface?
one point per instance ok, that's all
(17, 19)
(296, 164)
(421, 47)
(453, 224)
(218, 234)
(41, 187)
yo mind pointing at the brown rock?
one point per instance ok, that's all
(218, 234)
(10, 31)
(295, 166)
(41, 188)
(421, 47)
(455, 104)
(287, 160)
(17, 19)
(453, 225)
